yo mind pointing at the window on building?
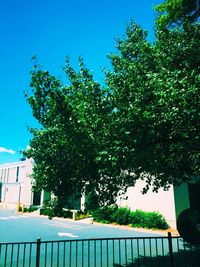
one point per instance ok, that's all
(5, 173)
(36, 198)
(194, 196)
(0, 190)
(17, 174)
(1, 175)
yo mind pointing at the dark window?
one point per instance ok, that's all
(1, 177)
(5, 176)
(0, 190)
(8, 174)
(194, 196)
(17, 174)
(36, 198)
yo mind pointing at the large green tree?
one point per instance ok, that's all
(156, 93)
(63, 148)
(143, 124)
(71, 149)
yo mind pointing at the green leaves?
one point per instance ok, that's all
(177, 13)
(143, 124)
(156, 97)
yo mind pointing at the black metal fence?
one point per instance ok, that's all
(108, 252)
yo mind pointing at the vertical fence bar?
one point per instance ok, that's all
(5, 259)
(150, 252)
(95, 254)
(126, 256)
(107, 253)
(138, 251)
(45, 255)
(156, 240)
(58, 253)
(113, 247)
(88, 253)
(82, 253)
(144, 251)
(24, 256)
(163, 252)
(38, 252)
(101, 254)
(18, 247)
(119, 252)
(30, 254)
(64, 251)
(76, 253)
(70, 253)
(11, 258)
(52, 254)
(170, 249)
(132, 250)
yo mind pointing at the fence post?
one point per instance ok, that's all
(38, 252)
(170, 250)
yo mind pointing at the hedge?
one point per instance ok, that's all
(123, 216)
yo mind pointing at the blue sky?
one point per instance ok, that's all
(53, 29)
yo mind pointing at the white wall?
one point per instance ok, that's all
(162, 202)
(16, 188)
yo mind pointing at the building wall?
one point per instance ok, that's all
(182, 201)
(16, 186)
(162, 202)
(16, 183)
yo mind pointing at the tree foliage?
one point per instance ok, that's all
(156, 93)
(173, 13)
(71, 149)
(143, 124)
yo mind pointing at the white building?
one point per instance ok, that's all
(169, 203)
(16, 185)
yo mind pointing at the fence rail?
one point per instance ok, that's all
(108, 252)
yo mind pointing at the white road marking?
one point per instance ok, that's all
(67, 234)
(12, 217)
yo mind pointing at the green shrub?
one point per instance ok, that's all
(151, 220)
(32, 208)
(121, 216)
(100, 214)
(50, 213)
(138, 218)
(156, 220)
(46, 211)
(104, 214)
(66, 214)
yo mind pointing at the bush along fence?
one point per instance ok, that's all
(109, 252)
(123, 216)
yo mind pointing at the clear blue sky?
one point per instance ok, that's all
(52, 29)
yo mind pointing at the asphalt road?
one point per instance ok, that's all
(75, 247)
(20, 228)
